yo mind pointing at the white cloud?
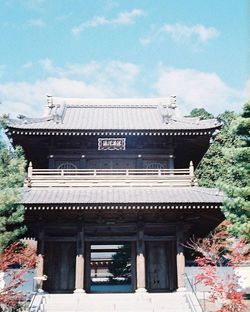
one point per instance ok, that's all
(36, 22)
(247, 91)
(29, 98)
(48, 66)
(35, 5)
(2, 69)
(93, 80)
(97, 71)
(198, 89)
(180, 32)
(123, 18)
(27, 65)
(193, 88)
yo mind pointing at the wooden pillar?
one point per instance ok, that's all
(139, 162)
(87, 258)
(79, 275)
(133, 265)
(171, 162)
(83, 162)
(40, 277)
(140, 263)
(180, 258)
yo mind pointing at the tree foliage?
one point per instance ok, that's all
(15, 254)
(121, 264)
(12, 173)
(226, 165)
(236, 179)
(213, 251)
(12, 251)
(201, 112)
(213, 165)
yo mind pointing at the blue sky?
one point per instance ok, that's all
(194, 49)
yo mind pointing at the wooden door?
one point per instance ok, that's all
(161, 267)
(59, 266)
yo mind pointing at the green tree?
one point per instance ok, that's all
(12, 173)
(213, 165)
(121, 262)
(236, 182)
(226, 165)
(201, 112)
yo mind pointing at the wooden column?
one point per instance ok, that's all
(40, 277)
(87, 258)
(79, 275)
(140, 263)
(171, 162)
(180, 258)
(139, 162)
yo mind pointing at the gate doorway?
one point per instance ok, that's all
(110, 267)
(160, 266)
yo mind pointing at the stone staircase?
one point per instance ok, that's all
(157, 302)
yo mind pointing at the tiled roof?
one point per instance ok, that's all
(120, 195)
(113, 114)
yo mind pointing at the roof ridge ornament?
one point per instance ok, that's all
(167, 111)
(48, 106)
(58, 112)
(173, 101)
(50, 101)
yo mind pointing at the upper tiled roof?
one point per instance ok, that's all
(120, 195)
(112, 114)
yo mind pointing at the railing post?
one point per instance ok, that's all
(30, 170)
(62, 172)
(159, 172)
(94, 172)
(191, 169)
(191, 173)
(127, 172)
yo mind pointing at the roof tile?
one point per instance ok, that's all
(104, 195)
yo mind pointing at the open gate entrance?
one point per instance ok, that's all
(110, 267)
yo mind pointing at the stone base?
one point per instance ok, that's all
(180, 289)
(141, 290)
(79, 291)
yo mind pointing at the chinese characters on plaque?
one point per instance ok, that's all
(111, 144)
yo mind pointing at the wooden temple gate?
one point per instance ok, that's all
(111, 179)
(157, 262)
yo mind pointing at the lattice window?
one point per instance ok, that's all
(155, 166)
(67, 165)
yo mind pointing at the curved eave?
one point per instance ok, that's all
(125, 206)
(117, 197)
(113, 132)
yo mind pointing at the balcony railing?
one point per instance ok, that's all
(109, 177)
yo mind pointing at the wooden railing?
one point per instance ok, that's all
(88, 177)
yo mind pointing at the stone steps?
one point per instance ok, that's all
(167, 302)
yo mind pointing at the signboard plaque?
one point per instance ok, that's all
(111, 144)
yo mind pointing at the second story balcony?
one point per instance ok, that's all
(110, 177)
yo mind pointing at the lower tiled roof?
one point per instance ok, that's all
(120, 195)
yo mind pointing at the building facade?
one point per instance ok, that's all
(111, 194)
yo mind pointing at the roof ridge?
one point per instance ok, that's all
(27, 120)
(194, 120)
(111, 101)
(112, 105)
(203, 189)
